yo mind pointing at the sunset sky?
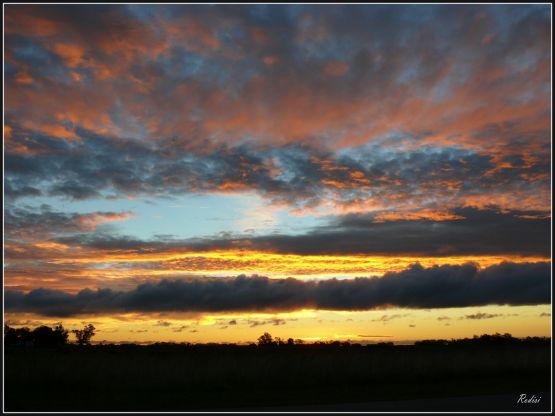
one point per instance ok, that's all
(208, 173)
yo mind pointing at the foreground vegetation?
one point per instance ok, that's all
(174, 377)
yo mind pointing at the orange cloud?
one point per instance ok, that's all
(7, 131)
(74, 56)
(259, 34)
(425, 214)
(23, 78)
(71, 53)
(196, 36)
(286, 108)
(336, 68)
(58, 130)
(91, 221)
(22, 20)
(270, 60)
(74, 268)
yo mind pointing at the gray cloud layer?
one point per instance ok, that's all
(415, 287)
(103, 167)
(28, 224)
(487, 232)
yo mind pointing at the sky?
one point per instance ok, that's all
(207, 173)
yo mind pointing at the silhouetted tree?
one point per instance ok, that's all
(10, 338)
(265, 340)
(84, 335)
(61, 334)
(44, 336)
(279, 341)
(17, 336)
(385, 344)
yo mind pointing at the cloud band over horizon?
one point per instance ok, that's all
(416, 287)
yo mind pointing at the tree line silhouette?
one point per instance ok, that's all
(44, 336)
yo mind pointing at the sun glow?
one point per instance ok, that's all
(272, 264)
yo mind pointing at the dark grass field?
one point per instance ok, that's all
(228, 377)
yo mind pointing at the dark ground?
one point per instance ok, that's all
(285, 378)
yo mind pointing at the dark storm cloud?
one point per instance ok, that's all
(485, 231)
(478, 232)
(415, 287)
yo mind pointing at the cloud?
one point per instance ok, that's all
(413, 138)
(373, 177)
(415, 287)
(179, 100)
(481, 315)
(274, 321)
(375, 336)
(477, 232)
(387, 318)
(55, 248)
(163, 323)
(44, 222)
(480, 232)
(25, 323)
(180, 329)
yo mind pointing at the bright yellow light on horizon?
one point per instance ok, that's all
(396, 324)
(233, 262)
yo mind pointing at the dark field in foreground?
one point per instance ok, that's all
(181, 378)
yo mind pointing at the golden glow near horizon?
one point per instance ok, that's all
(77, 268)
(289, 263)
(396, 325)
(114, 265)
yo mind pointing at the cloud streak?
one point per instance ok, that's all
(373, 177)
(27, 224)
(415, 287)
(471, 232)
